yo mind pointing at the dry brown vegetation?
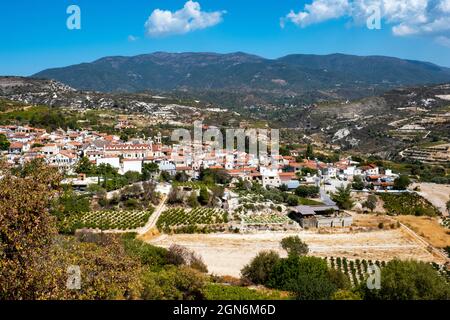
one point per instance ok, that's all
(428, 228)
(373, 221)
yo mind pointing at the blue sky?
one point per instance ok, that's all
(34, 35)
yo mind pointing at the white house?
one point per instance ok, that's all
(270, 177)
(131, 165)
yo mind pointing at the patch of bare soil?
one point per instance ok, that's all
(226, 254)
(437, 194)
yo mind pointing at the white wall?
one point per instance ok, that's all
(113, 161)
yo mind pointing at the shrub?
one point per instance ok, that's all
(401, 183)
(204, 197)
(307, 277)
(410, 280)
(346, 295)
(294, 245)
(259, 269)
(371, 202)
(173, 284)
(179, 255)
(292, 200)
(151, 256)
(307, 191)
(358, 183)
(214, 291)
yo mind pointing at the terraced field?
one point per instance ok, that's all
(178, 217)
(112, 219)
(266, 219)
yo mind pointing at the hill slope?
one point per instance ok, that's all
(293, 74)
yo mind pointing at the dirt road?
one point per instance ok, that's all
(437, 194)
(151, 223)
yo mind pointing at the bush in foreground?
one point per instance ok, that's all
(409, 280)
(259, 269)
(309, 278)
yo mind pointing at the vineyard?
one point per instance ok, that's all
(180, 217)
(356, 270)
(111, 219)
(264, 219)
(408, 204)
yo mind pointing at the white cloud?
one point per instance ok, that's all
(405, 17)
(187, 19)
(443, 41)
(318, 11)
(445, 6)
(132, 38)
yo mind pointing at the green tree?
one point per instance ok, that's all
(358, 183)
(148, 170)
(402, 182)
(4, 143)
(165, 176)
(105, 169)
(307, 277)
(219, 176)
(294, 246)
(371, 202)
(343, 197)
(410, 280)
(292, 200)
(193, 200)
(181, 176)
(85, 166)
(309, 154)
(259, 269)
(204, 196)
(124, 137)
(26, 228)
(307, 191)
(173, 283)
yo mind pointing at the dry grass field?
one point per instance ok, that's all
(428, 228)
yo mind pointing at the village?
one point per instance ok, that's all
(65, 149)
(245, 194)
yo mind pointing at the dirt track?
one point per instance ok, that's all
(226, 254)
(437, 194)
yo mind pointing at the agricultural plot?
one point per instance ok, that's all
(178, 217)
(112, 219)
(356, 270)
(265, 219)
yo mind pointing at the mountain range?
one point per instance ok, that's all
(297, 74)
